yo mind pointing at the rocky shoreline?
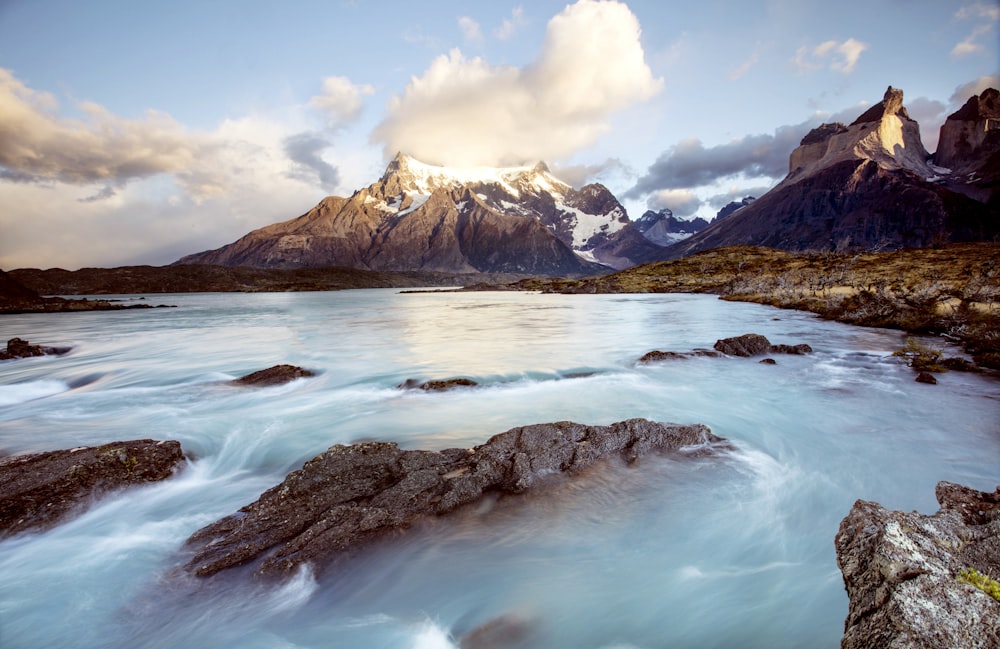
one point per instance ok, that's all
(908, 574)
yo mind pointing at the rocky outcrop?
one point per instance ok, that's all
(663, 228)
(39, 490)
(15, 297)
(745, 346)
(859, 186)
(423, 217)
(906, 573)
(349, 495)
(971, 134)
(275, 375)
(17, 348)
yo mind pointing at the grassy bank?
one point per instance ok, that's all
(953, 290)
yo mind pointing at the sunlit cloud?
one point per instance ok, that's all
(341, 99)
(464, 111)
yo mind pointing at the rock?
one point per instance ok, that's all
(756, 345)
(17, 348)
(657, 355)
(926, 377)
(970, 136)
(437, 386)
(39, 490)
(901, 571)
(273, 376)
(353, 494)
(769, 361)
(745, 345)
(504, 632)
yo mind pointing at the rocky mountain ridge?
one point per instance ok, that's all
(868, 185)
(423, 217)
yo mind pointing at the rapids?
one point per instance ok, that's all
(674, 552)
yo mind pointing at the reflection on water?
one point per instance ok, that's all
(706, 552)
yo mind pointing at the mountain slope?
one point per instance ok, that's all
(423, 217)
(859, 186)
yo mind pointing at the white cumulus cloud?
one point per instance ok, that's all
(464, 111)
(341, 99)
(471, 31)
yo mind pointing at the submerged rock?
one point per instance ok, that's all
(18, 348)
(926, 377)
(40, 489)
(352, 494)
(904, 573)
(437, 385)
(273, 376)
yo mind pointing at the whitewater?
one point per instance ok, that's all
(676, 551)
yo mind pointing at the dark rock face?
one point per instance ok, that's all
(756, 345)
(971, 134)
(901, 571)
(17, 348)
(273, 376)
(352, 494)
(868, 185)
(39, 490)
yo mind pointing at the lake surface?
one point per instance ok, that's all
(730, 551)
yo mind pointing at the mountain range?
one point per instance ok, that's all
(867, 185)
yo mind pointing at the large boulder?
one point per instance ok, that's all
(907, 574)
(349, 495)
(39, 490)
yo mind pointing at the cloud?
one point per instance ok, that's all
(141, 190)
(987, 15)
(578, 175)
(465, 111)
(682, 202)
(38, 145)
(509, 26)
(470, 30)
(690, 164)
(739, 71)
(975, 87)
(341, 99)
(839, 57)
(304, 150)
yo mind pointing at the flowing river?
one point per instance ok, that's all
(675, 552)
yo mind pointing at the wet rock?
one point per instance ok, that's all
(349, 495)
(18, 348)
(273, 376)
(926, 377)
(768, 361)
(902, 572)
(504, 632)
(656, 356)
(39, 490)
(746, 345)
(437, 386)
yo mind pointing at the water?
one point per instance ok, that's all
(678, 552)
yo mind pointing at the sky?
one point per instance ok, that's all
(139, 132)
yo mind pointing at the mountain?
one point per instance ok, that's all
(733, 206)
(663, 228)
(858, 186)
(969, 148)
(456, 220)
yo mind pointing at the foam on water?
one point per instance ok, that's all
(21, 392)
